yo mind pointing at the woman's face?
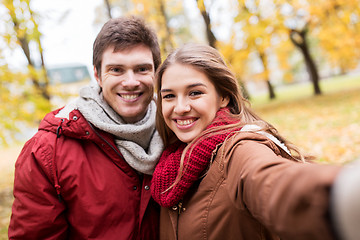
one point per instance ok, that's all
(189, 101)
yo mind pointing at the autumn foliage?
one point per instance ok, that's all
(274, 42)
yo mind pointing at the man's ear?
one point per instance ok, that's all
(224, 102)
(97, 77)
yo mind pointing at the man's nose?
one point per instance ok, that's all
(129, 80)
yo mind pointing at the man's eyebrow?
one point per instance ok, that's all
(188, 87)
(147, 65)
(110, 65)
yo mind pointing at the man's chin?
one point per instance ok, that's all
(132, 115)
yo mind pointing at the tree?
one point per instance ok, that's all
(333, 24)
(258, 29)
(298, 37)
(338, 31)
(24, 106)
(206, 17)
(237, 60)
(167, 17)
(108, 8)
(227, 49)
(25, 31)
(25, 93)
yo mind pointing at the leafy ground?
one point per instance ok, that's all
(327, 126)
(7, 161)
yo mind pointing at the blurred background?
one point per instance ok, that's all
(298, 62)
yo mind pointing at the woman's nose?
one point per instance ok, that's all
(182, 106)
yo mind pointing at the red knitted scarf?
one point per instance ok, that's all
(169, 163)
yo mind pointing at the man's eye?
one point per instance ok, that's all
(144, 69)
(115, 70)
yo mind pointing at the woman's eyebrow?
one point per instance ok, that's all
(196, 85)
(188, 87)
(165, 90)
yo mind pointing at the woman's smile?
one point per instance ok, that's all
(185, 123)
(189, 101)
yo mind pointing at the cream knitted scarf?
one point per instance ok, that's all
(139, 143)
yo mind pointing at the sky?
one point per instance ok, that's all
(69, 30)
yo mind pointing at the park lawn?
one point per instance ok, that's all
(296, 92)
(327, 126)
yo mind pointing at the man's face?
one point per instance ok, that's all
(127, 81)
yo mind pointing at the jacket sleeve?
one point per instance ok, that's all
(345, 202)
(288, 197)
(37, 212)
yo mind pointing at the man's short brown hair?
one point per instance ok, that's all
(124, 33)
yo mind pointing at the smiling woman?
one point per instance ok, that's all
(189, 101)
(222, 161)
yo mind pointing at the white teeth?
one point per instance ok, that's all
(130, 97)
(184, 122)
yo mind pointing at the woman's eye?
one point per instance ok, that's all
(195, 93)
(168, 96)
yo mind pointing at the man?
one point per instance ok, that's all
(86, 173)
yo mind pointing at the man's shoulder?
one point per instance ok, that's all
(62, 118)
(54, 133)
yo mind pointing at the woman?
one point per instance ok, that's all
(226, 173)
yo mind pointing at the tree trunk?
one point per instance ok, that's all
(212, 40)
(268, 83)
(108, 8)
(299, 40)
(209, 34)
(45, 84)
(244, 90)
(271, 90)
(166, 43)
(24, 43)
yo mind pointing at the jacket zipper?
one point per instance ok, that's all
(102, 138)
(179, 208)
(119, 154)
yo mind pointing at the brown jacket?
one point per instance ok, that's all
(251, 191)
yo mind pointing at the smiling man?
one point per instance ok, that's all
(86, 173)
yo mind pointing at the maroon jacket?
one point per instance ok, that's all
(71, 182)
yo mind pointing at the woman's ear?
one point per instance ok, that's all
(224, 102)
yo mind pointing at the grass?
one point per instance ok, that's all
(8, 157)
(327, 126)
(296, 92)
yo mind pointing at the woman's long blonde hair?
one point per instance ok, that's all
(209, 61)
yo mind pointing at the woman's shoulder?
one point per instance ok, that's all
(241, 139)
(253, 138)
(245, 147)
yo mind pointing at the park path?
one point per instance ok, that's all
(7, 163)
